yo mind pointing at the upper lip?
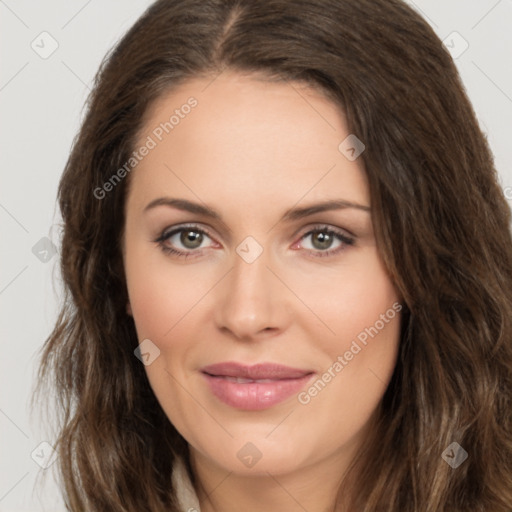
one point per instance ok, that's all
(257, 371)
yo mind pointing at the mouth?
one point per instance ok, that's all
(255, 387)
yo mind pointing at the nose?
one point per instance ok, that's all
(250, 302)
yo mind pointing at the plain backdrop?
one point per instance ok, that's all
(49, 53)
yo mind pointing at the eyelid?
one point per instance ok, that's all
(322, 226)
(344, 236)
(168, 232)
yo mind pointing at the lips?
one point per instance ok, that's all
(262, 371)
(255, 387)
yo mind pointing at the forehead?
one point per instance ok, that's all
(236, 138)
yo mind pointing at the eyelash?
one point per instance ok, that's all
(344, 239)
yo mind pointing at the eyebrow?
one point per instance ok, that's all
(290, 215)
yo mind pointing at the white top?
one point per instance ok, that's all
(185, 492)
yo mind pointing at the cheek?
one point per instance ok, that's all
(361, 308)
(351, 300)
(160, 298)
(160, 293)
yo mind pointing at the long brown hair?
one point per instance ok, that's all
(442, 227)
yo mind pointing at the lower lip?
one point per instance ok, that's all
(254, 396)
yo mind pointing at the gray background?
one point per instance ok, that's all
(41, 102)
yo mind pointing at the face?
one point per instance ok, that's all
(269, 325)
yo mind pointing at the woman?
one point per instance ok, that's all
(289, 269)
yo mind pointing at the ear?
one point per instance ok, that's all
(129, 309)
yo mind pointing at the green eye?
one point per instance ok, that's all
(183, 241)
(322, 240)
(325, 241)
(191, 239)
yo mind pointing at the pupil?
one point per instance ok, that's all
(322, 240)
(191, 239)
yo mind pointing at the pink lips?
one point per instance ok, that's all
(254, 387)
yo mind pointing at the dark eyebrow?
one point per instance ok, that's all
(185, 205)
(334, 204)
(290, 215)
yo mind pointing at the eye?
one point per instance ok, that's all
(183, 241)
(325, 241)
(187, 241)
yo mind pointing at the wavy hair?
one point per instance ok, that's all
(440, 217)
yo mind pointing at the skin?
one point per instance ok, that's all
(251, 150)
